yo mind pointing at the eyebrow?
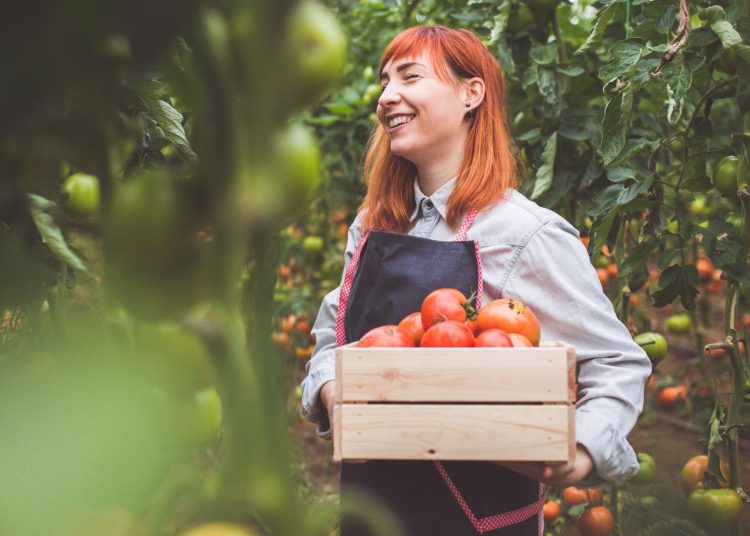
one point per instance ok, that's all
(402, 67)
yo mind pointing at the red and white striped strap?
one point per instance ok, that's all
(346, 288)
(497, 521)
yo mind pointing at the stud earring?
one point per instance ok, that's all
(468, 104)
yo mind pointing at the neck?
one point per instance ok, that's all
(439, 167)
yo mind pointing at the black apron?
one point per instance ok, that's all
(451, 498)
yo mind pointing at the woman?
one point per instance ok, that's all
(441, 211)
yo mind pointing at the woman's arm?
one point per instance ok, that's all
(554, 276)
(317, 400)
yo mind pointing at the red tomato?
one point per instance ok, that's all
(472, 325)
(511, 316)
(443, 304)
(386, 336)
(519, 341)
(494, 337)
(448, 333)
(412, 325)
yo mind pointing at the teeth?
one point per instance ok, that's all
(401, 119)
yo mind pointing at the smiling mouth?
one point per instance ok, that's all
(400, 120)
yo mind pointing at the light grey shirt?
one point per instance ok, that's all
(532, 254)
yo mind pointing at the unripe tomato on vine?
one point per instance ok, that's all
(82, 192)
(315, 50)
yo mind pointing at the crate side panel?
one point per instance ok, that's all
(456, 432)
(454, 375)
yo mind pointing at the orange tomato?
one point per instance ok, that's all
(551, 511)
(573, 496)
(669, 397)
(705, 268)
(612, 269)
(603, 275)
(693, 473)
(596, 521)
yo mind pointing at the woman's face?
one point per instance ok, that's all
(422, 114)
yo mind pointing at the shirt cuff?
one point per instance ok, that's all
(312, 407)
(614, 459)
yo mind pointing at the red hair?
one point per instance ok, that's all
(489, 163)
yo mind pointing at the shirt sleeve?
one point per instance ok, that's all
(553, 275)
(322, 365)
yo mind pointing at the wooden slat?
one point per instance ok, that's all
(542, 374)
(455, 432)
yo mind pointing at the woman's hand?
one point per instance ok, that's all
(563, 474)
(328, 397)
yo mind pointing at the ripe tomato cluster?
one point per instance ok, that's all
(448, 318)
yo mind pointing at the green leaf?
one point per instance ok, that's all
(339, 108)
(701, 37)
(577, 510)
(599, 232)
(614, 126)
(638, 257)
(667, 19)
(632, 148)
(625, 55)
(544, 54)
(573, 71)
(51, 234)
(676, 281)
(170, 121)
(726, 32)
(546, 172)
(500, 22)
(620, 174)
(600, 24)
(678, 78)
(714, 436)
(606, 200)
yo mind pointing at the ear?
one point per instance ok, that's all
(473, 93)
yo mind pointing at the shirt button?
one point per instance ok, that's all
(428, 204)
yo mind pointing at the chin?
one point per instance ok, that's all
(403, 150)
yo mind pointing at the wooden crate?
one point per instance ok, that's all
(493, 404)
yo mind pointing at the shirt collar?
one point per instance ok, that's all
(439, 198)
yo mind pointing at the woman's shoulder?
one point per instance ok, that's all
(515, 219)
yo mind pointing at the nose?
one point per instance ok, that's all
(389, 96)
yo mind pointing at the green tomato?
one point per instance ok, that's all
(368, 73)
(521, 18)
(297, 159)
(679, 323)
(312, 244)
(725, 176)
(174, 358)
(83, 194)
(600, 261)
(654, 344)
(372, 92)
(198, 422)
(715, 509)
(647, 467)
(649, 501)
(699, 207)
(316, 48)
